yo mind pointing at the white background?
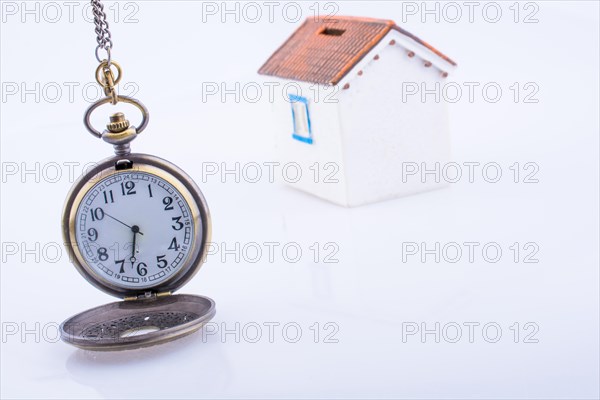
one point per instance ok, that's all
(370, 294)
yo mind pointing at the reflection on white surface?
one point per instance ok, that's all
(181, 366)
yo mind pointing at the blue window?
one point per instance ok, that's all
(301, 119)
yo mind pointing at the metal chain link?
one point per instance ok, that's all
(108, 80)
(103, 36)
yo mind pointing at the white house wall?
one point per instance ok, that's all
(381, 133)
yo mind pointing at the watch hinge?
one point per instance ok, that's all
(147, 295)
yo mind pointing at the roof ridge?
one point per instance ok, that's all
(333, 18)
(324, 49)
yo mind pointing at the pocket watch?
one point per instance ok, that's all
(136, 227)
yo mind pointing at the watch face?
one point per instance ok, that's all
(135, 229)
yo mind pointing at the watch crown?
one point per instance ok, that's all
(118, 123)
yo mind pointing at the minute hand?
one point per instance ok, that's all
(123, 223)
(133, 247)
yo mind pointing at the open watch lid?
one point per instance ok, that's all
(125, 325)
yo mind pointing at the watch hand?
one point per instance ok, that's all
(135, 229)
(123, 223)
(132, 259)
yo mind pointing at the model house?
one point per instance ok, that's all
(353, 115)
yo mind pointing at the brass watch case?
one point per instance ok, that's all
(109, 327)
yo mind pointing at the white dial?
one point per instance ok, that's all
(134, 229)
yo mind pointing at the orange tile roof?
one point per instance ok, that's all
(323, 51)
